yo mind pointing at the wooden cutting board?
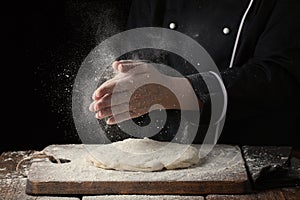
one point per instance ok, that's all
(221, 172)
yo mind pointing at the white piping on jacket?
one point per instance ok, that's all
(217, 123)
(239, 34)
(219, 79)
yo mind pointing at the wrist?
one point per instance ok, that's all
(182, 95)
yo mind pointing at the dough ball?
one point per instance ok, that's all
(144, 155)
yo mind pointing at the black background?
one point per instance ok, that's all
(44, 45)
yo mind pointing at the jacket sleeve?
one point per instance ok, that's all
(271, 78)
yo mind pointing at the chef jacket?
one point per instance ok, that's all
(263, 80)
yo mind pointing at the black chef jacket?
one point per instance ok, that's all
(263, 83)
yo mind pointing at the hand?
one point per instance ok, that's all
(134, 91)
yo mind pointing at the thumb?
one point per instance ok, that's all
(131, 66)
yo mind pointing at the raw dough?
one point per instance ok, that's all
(143, 155)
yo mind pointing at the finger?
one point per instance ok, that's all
(129, 65)
(104, 102)
(111, 100)
(105, 88)
(121, 118)
(122, 84)
(117, 65)
(110, 111)
(92, 106)
(136, 68)
(118, 118)
(103, 113)
(132, 61)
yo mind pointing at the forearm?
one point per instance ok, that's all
(181, 95)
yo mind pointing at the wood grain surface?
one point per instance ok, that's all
(12, 187)
(222, 172)
(13, 183)
(278, 194)
(142, 197)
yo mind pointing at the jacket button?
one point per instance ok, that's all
(226, 31)
(172, 25)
